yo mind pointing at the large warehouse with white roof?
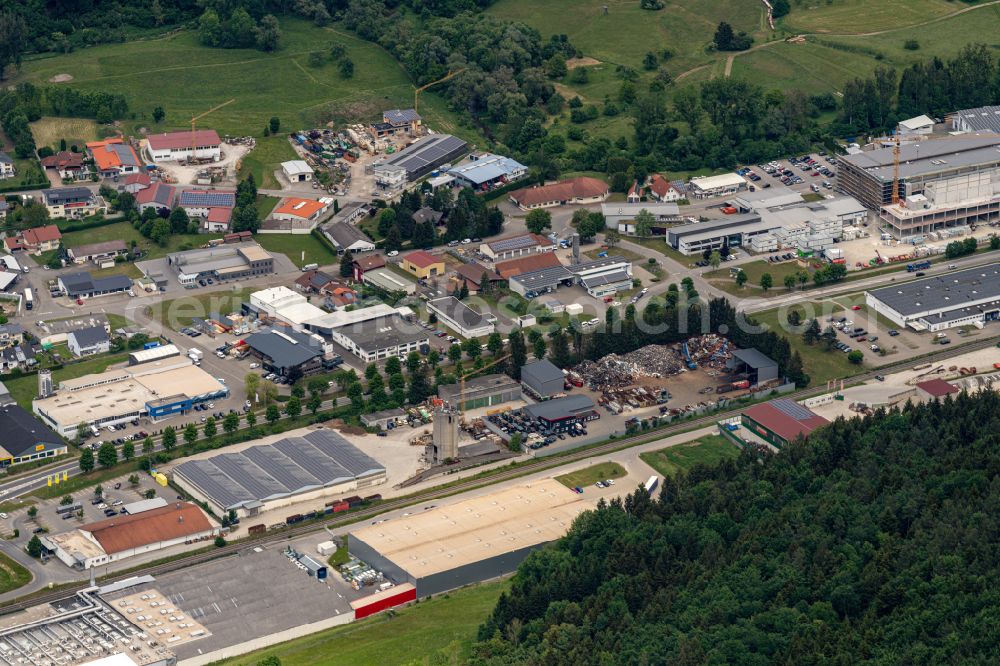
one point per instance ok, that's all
(319, 464)
(470, 541)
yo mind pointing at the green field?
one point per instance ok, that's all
(820, 364)
(126, 232)
(76, 131)
(706, 450)
(293, 245)
(24, 389)
(264, 159)
(177, 313)
(754, 270)
(852, 16)
(591, 475)
(12, 574)
(439, 631)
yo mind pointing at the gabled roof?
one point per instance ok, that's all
(22, 432)
(345, 235)
(400, 116)
(529, 264)
(58, 195)
(426, 214)
(207, 198)
(474, 273)
(786, 418)
(112, 154)
(46, 234)
(126, 532)
(937, 387)
(158, 193)
(90, 336)
(299, 207)
(370, 262)
(660, 186)
(98, 248)
(5, 158)
(575, 188)
(141, 178)
(64, 159)
(519, 242)
(182, 140)
(220, 214)
(423, 259)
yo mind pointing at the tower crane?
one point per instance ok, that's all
(449, 76)
(195, 119)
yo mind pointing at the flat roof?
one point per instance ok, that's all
(385, 278)
(722, 180)
(952, 290)
(383, 333)
(458, 311)
(285, 346)
(288, 467)
(560, 408)
(622, 209)
(929, 157)
(451, 536)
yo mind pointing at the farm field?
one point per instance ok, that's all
(439, 631)
(848, 16)
(77, 131)
(706, 450)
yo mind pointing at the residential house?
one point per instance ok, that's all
(634, 194)
(19, 356)
(36, 240)
(582, 190)
(423, 264)
(136, 182)
(663, 190)
(369, 263)
(4, 209)
(98, 252)
(114, 158)
(426, 214)
(88, 341)
(73, 202)
(202, 203)
(313, 281)
(11, 334)
(7, 168)
(407, 120)
(218, 220)
(68, 165)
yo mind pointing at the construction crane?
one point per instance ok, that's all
(461, 380)
(895, 168)
(195, 119)
(416, 92)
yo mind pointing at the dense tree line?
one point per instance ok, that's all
(874, 542)
(465, 216)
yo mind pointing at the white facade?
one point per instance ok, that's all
(717, 186)
(916, 126)
(297, 171)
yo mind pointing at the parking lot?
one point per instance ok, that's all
(815, 172)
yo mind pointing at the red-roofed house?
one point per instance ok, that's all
(932, 389)
(298, 213)
(179, 146)
(35, 241)
(114, 157)
(661, 189)
(580, 190)
(423, 264)
(67, 164)
(217, 220)
(158, 195)
(781, 421)
(136, 182)
(634, 194)
(367, 263)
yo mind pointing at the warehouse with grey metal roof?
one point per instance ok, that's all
(317, 465)
(957, 298)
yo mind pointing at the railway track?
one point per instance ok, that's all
(536, 465)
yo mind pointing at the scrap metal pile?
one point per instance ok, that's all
(657, 361)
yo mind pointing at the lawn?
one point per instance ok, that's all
(266, 204)
(847, 16)
(12, 574)
(264, 159)
(660, 245)
(755, 269)
(77, 131)
(185, 78)
(126, 232)
(707, 450)
(178, 313)
(591, 475)
(439, 631)
(24, 389)
(820, 364)
(294, 245)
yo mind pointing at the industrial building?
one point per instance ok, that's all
(542, 378)
(731, 231)
(318, 464)
(484, 391)
(757, 367)
(346, 237)
(285, 305)
(422, 264)
(811, 227)
(83, 285)
(151, 354)
(390, 281)
(958, 298)
(418, 159)
(511, 247)
(377, 339)
(88, 341)
(157, 390)
(25, 438)
(762, 199)
(459, 317)
(716, 186)
(303, 213)
(781, 421)
(98, 253)
(469, 541)
(486, 171)
(868, 176)
(560, 414)
(222, 262)
(980, 119)
(604, 276)
(528, 264)
(533, 283)
(581, 190)
(383, 418)
(961, 201)
(621, 216)
(915, 127)
(179, 146)
(287, 351)
(124, 536)
(297, 171)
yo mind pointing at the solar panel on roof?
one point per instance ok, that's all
(792, 409)
(206, 198)
(514, 243)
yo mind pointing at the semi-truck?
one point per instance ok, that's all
(651, 484)
(196, 355)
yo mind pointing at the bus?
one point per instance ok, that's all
(69, 508)
(29, 302)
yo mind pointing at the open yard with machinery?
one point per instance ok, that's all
(437, 631)
(177, 313)
(707, 450)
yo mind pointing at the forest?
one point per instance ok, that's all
(875, 542)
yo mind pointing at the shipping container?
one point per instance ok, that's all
(341, 506)
(384, 600)
(291, 520)
(256, 529)
(377, 496)
(651, 484)
(354, 500)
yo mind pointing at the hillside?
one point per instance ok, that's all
(875, 542)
